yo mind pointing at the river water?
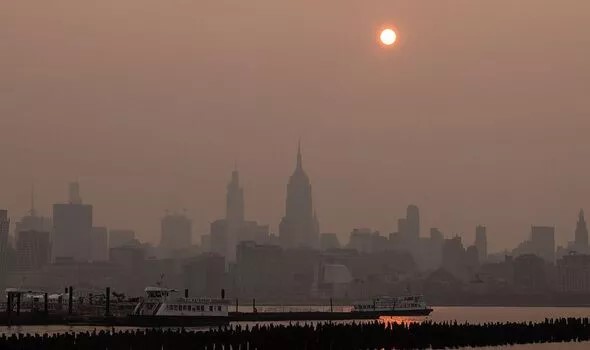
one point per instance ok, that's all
(451, 313)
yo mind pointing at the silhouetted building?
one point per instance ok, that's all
(299, 227)
(407, 236)
(4, 228)
(413, 222)
(206, 243)
(74, 193)
(219, 237)
(453, 256)
(402, 228)
(581, 235)
(543, 242)
(259, 270)
(118, 238)
(574, 273)
(32, 221)
(365, 240)
(129, 258)
(176, 234)
(253, 232)
(99, 250)
(204, 275)
(481, 242)
(430, 253)
(227, 233)
(472, 259)
(33, 250)
(333, 280)
(329, 241)
(72, 224)
(234, 212)
(530, 272)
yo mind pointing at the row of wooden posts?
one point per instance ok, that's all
(68, 290)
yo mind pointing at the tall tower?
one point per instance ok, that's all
(413, 222)
(234, 210)
(74, 193)
(300, 226)
(581, 235)
(72, 227)
(176, 234)
(481, 242)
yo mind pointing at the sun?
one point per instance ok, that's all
(388, 37)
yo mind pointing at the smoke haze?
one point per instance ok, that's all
(478, 116)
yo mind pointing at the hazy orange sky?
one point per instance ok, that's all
(479, 114)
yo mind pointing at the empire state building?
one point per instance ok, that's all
(299, 227)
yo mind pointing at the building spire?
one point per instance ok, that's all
(33, 211)
(299, 158)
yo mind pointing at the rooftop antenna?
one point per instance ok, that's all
(33, 211)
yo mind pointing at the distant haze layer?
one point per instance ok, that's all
(479, 115)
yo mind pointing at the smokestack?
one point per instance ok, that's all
(74, 193)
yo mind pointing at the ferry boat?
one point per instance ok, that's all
(413, 305)
(163, 307)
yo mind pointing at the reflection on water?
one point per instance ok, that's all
(494, 314)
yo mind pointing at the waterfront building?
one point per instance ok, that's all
(573, 272)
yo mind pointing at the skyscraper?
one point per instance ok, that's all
(4, 227)
(234, 212)
(581, 235)
(481, 242)
(543, 242)
(99, 250)
(234, 215)
(299, 226)
(33, 250)
(176, 234)
(72, 226)
(32, 221)
(228, 232)
(413, 222)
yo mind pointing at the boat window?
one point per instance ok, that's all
(219, 308)
(210, 308)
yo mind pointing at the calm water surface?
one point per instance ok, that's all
(452, 313)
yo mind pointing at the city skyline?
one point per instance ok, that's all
(235, 192)
(477, 115)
